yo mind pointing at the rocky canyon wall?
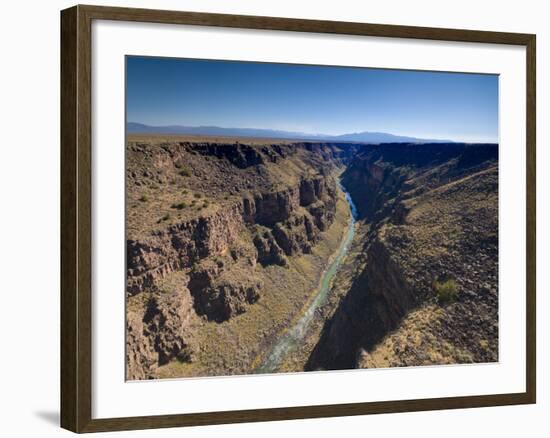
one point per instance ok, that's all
(433, 217)
(209, 255)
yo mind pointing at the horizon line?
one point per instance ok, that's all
(305, 133)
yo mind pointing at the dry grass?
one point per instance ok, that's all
(416, 342)
(446, 291)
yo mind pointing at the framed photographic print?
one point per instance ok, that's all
(268, 218)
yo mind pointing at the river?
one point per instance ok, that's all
(293, 337)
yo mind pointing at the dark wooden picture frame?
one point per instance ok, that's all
(76, 218)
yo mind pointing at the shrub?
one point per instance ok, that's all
(197, 195)
(166, 217)
(185, 355)
(184, 172)
(446, 292)
(484, 344)
(179, 205)
(144, 198)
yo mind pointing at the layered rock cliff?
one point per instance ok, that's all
(288, 221)
(208, 215)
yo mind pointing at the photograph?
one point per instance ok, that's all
(285, 218)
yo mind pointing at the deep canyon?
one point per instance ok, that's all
(257, 256)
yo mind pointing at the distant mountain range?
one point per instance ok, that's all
(358, 137)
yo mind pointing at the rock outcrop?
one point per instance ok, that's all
(224, 287)
(240, 155)
(179, 246)
(155, 331)
(269, 251)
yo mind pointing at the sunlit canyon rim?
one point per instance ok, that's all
(265, 256)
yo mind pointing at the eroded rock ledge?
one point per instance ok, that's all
(286, 222)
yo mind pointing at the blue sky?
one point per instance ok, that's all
(312, 99)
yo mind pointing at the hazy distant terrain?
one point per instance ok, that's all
(216, 131)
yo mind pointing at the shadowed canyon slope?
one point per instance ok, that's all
(427, 291)
(227, 243)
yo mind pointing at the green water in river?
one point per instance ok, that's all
(294, 336)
